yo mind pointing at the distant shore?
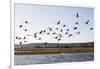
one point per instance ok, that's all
(52, 50)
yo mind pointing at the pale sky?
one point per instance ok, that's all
(40, 17)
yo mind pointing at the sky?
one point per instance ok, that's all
(41, 17)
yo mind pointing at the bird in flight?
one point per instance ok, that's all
(20, 43)
(45, 43)
(66, 33)
(70, 35)
(24, 38)
(77, 15)
(40, 32)
(39, 38)
(78, 32)
(16, 37)
(67, 29)
(87, 22)
(25, 30)
(50, 28)
(58, 22)
(61, 30)
(53, 33)
(75, 28)
(56, 28)
(91, 28)
(20, 26)
(26, 21)
(59, 39)
(64, 25)
(19, 38)
(76, 23)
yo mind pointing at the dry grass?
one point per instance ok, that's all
(51, 50)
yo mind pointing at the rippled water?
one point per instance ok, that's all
(52, 58)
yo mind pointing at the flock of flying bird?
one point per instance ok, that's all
(50, 31)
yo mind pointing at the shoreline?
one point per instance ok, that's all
(52, 51)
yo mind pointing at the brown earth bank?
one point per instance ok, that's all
(25, 51)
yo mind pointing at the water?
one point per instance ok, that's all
(52, 58)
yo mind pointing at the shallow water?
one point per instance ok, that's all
(52, 58)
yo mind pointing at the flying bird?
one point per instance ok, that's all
(50, 28)
(20, 26)
(87, 22)
(25, 30)
(56, 37)
(67, 29)
(70, 35)
(91, 28)
(59, 39)
(45, 43)
(20, 43)
(26, 22)
(77, 15)
(53, 33)
(44, 31)
(61, 30)
(76, 23)
(24, 38)
(58, 22)
(16, 37)
(25, 41)
(75, 28)
(66, 33)
(40, 32)
(19, 38)
(78, 32)
(64, 25)
(35, 34)
(48, 33)
(39, 38)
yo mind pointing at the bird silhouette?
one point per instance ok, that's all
(53, 33)
(64, 25)
(61, 30)
(77, 15)
(70, 35)
(67, 29)
(58, 22)
(56, 28)
(26, 21)
(25, 41)
(35, 34)
(87, 22)
(20, 26)
(56, 37)
(45, 43)
(39, 38)
(91, 28)
(75, 28)
(66, 33)
(20, 43)
(78, 32)
(25, 30)
(44, 31)
(50, 28)
(19, 38)
(24, 38)
(59, 39)
(16, 37)
(40, 32)
(48, 33)
(76, 23)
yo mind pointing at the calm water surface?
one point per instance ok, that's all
(52, 58)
